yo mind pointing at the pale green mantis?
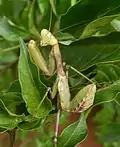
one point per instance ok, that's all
(84, 98)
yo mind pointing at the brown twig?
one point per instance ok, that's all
(57, 128)
(12, 134)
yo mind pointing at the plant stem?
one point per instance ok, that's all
(57, 128)
(12, 134)
(9, 49)
(50, 22)
(44, 97)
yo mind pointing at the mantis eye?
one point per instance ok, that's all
(31, 44)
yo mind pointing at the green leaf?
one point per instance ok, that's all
(39, 143)
(108, 80)
(43, 143)
(10, 101)
(107, 130)
(49, 143)
(5, 79)
(64, 118)
(7, 45)
(102, 26)
(24, 14)
(86, 53)
(107, 108)
(88, 11)
(107, 73)
(44, 8)
(74, 133)
(112, 132)
(12, 8)
(9, 31)
(7, 121)
(31, 23)
(108, 93)
(65, 38)
(15, 87)
(53, 6)
(36, 105)
(8, 58)
(27, 126)
(62, 6)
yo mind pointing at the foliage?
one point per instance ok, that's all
(89, 42)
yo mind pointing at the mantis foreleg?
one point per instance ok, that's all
(39, 60)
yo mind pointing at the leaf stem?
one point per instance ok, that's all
(45, 95)
(57, 128)
(12, 134)
(9, 49)
(50, 22)
(117, 102)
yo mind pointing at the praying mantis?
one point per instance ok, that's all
(84, 98)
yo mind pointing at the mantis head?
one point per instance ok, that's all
(47, 38)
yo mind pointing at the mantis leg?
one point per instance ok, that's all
(51, 65)
(85, 97)
(57, 127)
(39, 60)
(75, 70)
(54, 89)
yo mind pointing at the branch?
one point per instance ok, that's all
(57, 128)
(12, 134)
